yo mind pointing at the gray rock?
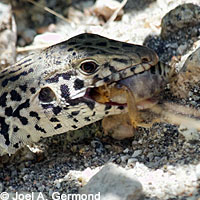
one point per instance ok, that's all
(14, 173)
(182, 16)
(150, 155)
(136, 153)
(193, 62)
(58, 185)
(28, 35)
(113, 183)
(124, 158)
(1, 187)
(190, 134)
(131, 161)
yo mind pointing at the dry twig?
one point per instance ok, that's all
(114, 15)
(48, 10)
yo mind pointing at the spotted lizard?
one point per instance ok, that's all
(49, 92)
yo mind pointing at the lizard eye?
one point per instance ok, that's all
(89, 67)
(46, 95)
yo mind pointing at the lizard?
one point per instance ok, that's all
(49, 91)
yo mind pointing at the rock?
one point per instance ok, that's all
(136, 153)
(124, 158)
(131, 161)
(1, 187)
(113, 183)
(182, 16)
(7, 36)
(192, 64)
(188, 76)
(58, 185)
(28, 35)
(190, 134)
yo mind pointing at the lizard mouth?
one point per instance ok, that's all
(141, 90)
(110, 95)
(118, 95)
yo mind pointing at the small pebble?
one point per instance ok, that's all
(150, 156)
(136, 153)
(58, 185)
(124, 158)
(1, 187)
(189, 133)
(28, 35)
(132, 160)
(126, 150)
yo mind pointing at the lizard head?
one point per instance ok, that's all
(84, 63)
(52, 91)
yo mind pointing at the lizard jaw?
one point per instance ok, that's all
(91, 92)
